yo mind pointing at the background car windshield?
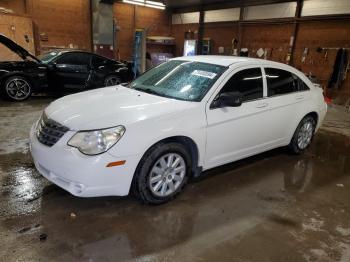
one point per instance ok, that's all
(183, 80)
(47, 57)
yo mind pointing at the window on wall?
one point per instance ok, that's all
(279, 82)
(248, 82)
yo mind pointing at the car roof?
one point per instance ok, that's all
(227, 60)
(65, 51)
(241, 61)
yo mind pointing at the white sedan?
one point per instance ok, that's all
(185, 116)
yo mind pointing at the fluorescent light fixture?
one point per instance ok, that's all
(154, 3)
(155, 6)
(147, 3)
(134, 2)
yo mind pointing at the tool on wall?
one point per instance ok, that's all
(320, 49)
(244, 52)
(234, 47)
(305, 53)
(260, 52)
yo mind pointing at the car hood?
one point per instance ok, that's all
(16, 48)
(111, 106)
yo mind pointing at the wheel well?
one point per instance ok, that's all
(113, 74)
(314, 115)
(189, 144)
(4, 79)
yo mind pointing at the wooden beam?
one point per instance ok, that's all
(200, 32)
(295, 29)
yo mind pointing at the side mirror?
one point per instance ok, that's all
(228, 99)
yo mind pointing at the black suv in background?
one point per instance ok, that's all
(58, 71)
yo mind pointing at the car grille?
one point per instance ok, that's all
(48, 131)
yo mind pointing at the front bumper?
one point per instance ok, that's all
(79, 174)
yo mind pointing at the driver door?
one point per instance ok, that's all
(237, 132)
(71, 70)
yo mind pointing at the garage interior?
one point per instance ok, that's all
(271, 207)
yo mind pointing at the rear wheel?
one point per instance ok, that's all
(112, 80)
(303, 135)
(162, 173)
(17, 88)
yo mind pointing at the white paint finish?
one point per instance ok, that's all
(185, 18)
(322, 7)
(222, 15)
(281, 10)
(221, 135)
(246, 130)
(218, 59)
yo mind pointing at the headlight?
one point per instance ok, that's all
(95, 142)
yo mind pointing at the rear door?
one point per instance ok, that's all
(284, 101)
(71, 70)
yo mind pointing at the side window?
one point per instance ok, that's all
(248, 82)
(279, 82)
(97, 61)
(300, 84)
(74, 59)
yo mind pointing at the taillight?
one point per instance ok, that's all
(327, 100)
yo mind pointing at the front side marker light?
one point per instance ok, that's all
(117, 163)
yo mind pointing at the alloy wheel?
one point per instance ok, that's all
(167, 174)
(18, 89)
(112, 81)
(305, 135)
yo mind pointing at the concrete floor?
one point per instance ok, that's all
(272, 207)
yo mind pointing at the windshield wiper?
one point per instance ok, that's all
(147, 90)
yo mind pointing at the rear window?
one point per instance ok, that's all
(301, 86)
(280, 82)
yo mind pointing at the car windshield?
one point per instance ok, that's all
(48, 57)
(182, 80)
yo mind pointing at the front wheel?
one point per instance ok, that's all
(17, 88)
(303, 135)
(162, 173)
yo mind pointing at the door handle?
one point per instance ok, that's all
(262, 105)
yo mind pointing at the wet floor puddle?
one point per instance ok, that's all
(274, 199)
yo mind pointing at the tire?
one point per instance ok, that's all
(151, 177)
(112, 80)
(303, 135)
(17, 88)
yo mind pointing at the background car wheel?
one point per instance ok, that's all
(112, 80)
(303, 135)
(17, 88)
(162, 173)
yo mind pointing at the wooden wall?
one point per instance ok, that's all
(66, 23)
(20, 29)
(18, 6)
(275, 37)
(129, 17)
(178, 31)
(221, 34)
(323, 34)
